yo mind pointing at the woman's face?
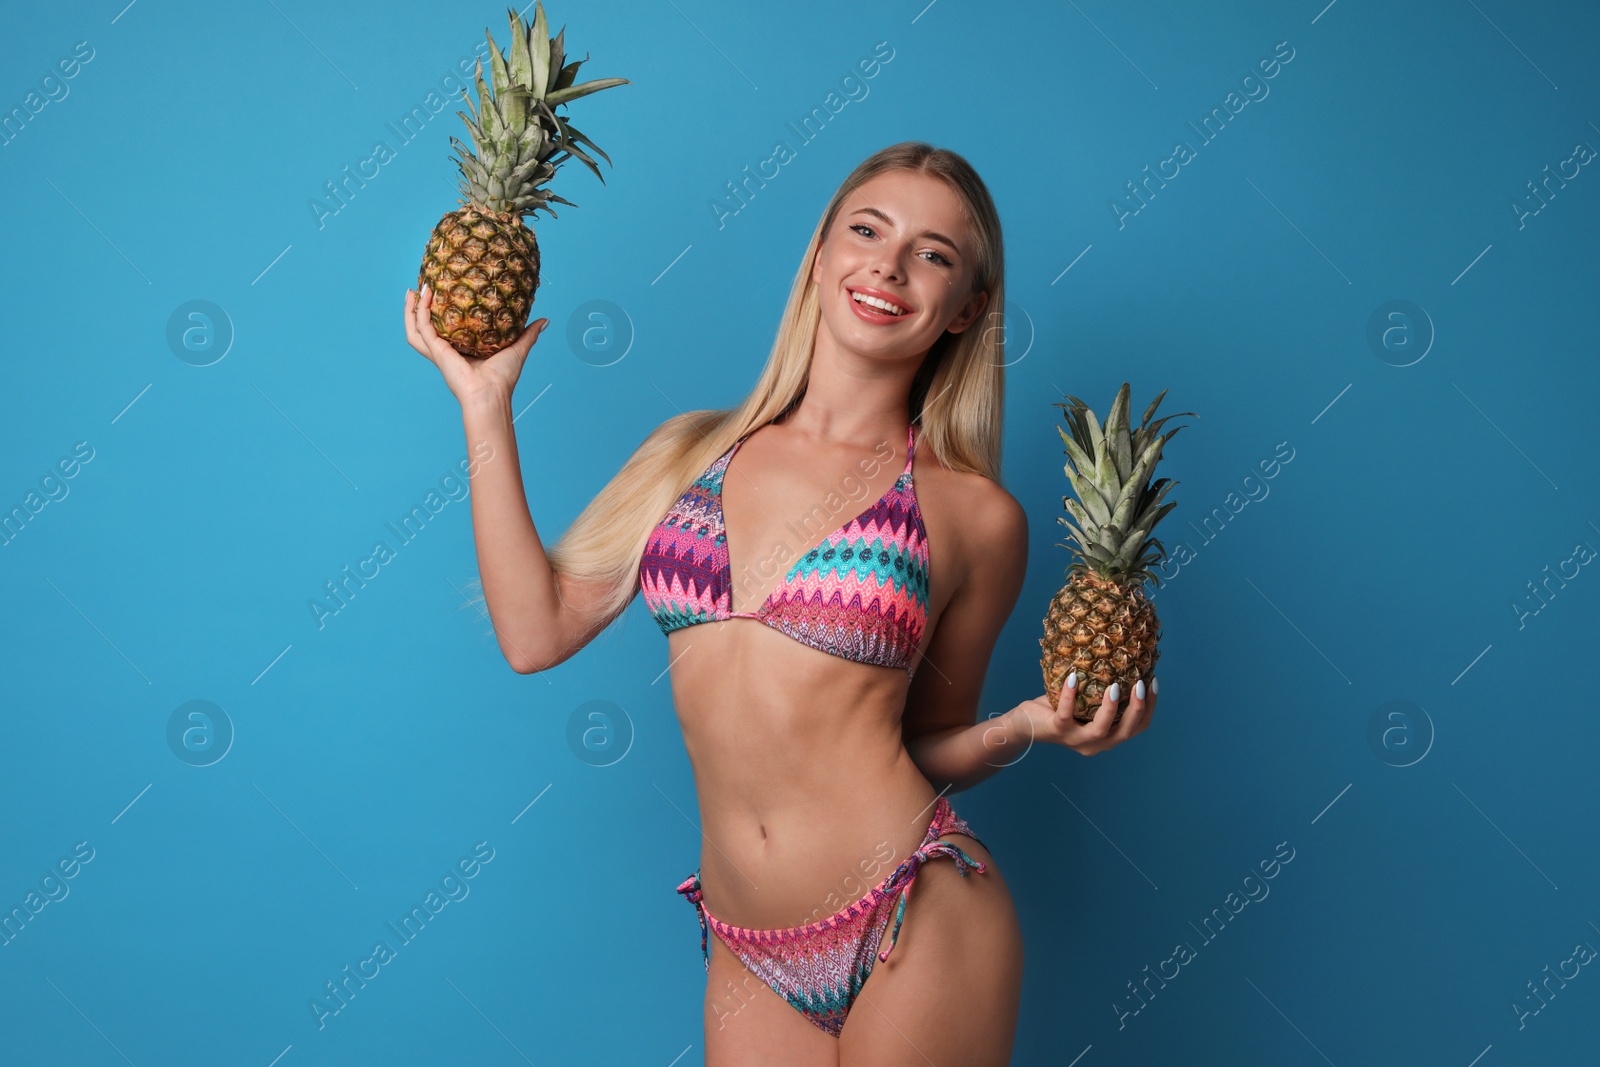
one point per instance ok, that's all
(902, 235)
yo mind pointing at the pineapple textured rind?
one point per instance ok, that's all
(1104, 630)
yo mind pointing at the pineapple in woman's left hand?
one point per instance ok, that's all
(1100, 623)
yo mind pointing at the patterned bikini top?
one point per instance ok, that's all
(862, 593)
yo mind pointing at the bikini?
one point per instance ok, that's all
(820, 968)
(861, 594)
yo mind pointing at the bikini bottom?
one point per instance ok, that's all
(820, 968)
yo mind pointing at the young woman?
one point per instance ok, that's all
(832, 561)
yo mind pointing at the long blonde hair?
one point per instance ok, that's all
(957, 393)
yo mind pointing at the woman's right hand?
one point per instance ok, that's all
(468, 379)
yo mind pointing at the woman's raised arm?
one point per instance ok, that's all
(539, 619)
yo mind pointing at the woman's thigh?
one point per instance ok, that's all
(949, 992)
(748, 1024)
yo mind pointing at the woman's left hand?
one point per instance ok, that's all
(1057, 725)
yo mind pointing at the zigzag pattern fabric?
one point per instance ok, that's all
(861, 594)
(821, 967)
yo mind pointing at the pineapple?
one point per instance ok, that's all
(481, 260)
(1101, 624)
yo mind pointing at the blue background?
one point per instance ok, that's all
(368, 755)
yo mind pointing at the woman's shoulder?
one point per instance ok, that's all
(961, 490)
(977, 533)
(980, 509)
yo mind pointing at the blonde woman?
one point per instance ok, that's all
(832, 561)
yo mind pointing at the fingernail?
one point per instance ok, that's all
(425, 287)
(1155, 685)
(1138, 689)
(1072, 680)
(1115, 692)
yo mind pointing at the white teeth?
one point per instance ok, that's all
(882, 305)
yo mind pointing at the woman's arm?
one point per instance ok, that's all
(962, 756)
(539, 619)
(954, 751)
(519, 586)
(947, 745)
(967, 754)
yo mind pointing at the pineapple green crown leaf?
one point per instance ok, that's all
(518, 140)
(1109, 466)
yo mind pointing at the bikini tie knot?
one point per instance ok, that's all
(690, 888)
(901, 881)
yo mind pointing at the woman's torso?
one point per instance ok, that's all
(807, 795)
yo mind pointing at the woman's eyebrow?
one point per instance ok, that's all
(936, 235)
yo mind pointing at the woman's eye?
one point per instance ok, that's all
(859, 226)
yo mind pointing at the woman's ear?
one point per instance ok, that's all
(969, 314)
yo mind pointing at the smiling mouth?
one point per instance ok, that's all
(873, 304)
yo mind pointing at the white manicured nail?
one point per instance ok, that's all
(1155, 685)
(1138, 689)
(1115, 692)
(1072, 680)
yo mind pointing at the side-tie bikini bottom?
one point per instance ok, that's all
(820, 968)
